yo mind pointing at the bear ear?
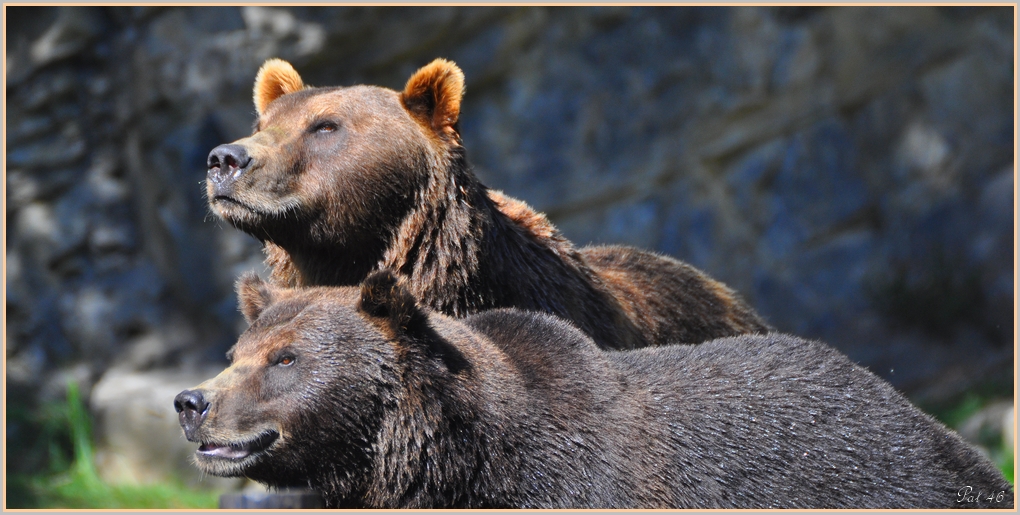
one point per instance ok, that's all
(388, 302)
(386, 298)
(253, 295)
(276, 78)
(433, 94)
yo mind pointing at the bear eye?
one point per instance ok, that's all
(325, 127)
(286, 360)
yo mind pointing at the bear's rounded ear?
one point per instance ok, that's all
(253, 295)
(276, 78)
(386, 297)
(389, 304)
(433, 94)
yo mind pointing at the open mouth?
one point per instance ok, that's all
(238, 450)
(229, 200)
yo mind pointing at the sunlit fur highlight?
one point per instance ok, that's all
(275, 78)
(433, 95)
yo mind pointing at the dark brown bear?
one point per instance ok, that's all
(377, 402)
(338, 182)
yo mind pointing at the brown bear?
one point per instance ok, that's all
(337, 182)
(378, 402)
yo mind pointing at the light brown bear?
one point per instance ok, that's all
(377, 402)
(337, 182)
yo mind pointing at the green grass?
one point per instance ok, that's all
(955, 413)
(74, 483)
(1005, 464)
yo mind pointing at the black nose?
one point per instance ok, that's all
(226, 163)
(191, 409)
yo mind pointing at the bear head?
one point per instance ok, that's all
(312, 382)
(336, 168)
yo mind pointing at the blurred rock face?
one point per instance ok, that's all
(848, 170)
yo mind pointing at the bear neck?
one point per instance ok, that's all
(321, 265)
(464, 254)
(467, 249)
(472, 437)
(432, 445)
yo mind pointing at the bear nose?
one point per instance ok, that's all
(226, 163)
(191, 409)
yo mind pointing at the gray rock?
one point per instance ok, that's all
(139, 440)
(49, 153)
(71, 32)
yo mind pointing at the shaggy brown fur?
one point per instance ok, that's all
(379, 403)
(338, 182)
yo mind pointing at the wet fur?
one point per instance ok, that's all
(392, 188)
(407, 408)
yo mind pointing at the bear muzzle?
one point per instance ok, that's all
(226, 163)
(237, 450)
(221, 452)
(192, 409)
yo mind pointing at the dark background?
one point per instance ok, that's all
(848, 170)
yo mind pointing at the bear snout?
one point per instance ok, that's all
(192, 409)
(226, 163)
